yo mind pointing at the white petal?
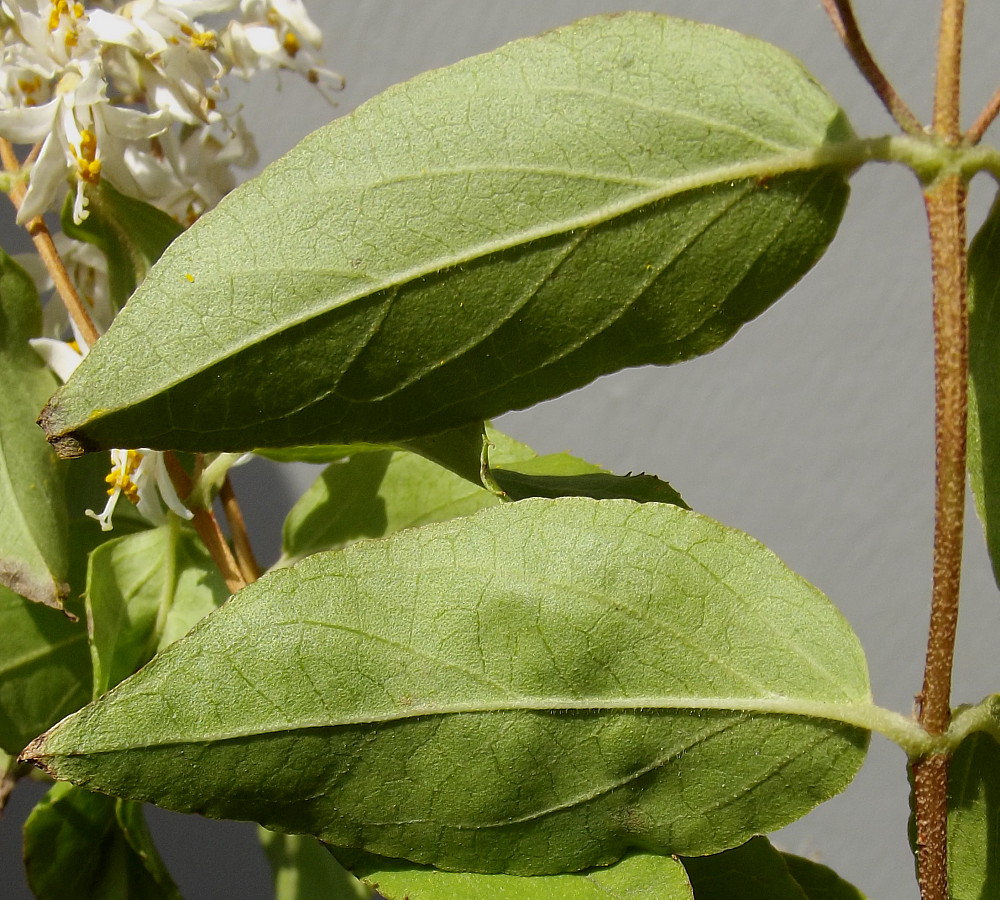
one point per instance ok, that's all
(47, 179)
(109, 28)
(133, 124)
(59, 356)
(28, 124)
(294, 13)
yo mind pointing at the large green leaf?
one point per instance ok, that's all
(623, 191)
(757, 871)
(984, 379)
(145, 591)
(641, 876)
(33, 554)
(84, 846)
(44, 669)
(533, 689)
(304, 870)
(974, 815)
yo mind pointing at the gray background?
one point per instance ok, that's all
(812, 430)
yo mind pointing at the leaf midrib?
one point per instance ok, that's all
(764, 167)
(856, 714)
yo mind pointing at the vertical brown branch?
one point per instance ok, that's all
(944, 201)
(947, 90)
(945, 204)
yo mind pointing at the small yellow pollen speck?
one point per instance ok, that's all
(291, 43)
(189, 277)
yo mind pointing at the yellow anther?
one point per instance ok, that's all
(88, 167)
(291, 43)
(120, 477)
(206, 40)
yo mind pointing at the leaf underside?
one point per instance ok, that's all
(757, 871)
(639, 876)
(974, 815)
(479, 239)
(984, 380)
(533, 689)
(33, 526)
(45, 669)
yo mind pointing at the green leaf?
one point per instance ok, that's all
(754, 871)
(561, 475)
(818, 881)
(376, 494)
(144, 592)
(623, 191)
(33, 555)
(974, 817)
(633, 878)
(304, 870)
(984, 379)
(44, 669)
(458, 450)
(534, 689)
(129, 232)
(757, 871)
(84, 846)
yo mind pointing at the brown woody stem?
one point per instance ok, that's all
(245, 558)
(944, 200)
(947, 89)
(983, 121)
(846, 25)
(207, 526)
(945, 204)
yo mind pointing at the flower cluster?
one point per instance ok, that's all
(131, 92)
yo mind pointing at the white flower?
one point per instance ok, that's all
(106, 89)
(141, 475)
(278, 34)
(79, 131)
